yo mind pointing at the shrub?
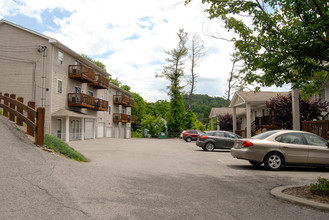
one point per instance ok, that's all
(60, 146)
(137, 134)
(320, 188)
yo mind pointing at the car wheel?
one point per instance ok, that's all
(255, 163)
(273, 161)
(188, 139)
(209, 147)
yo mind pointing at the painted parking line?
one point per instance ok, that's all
(221, 161)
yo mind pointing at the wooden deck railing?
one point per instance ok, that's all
(81, 73)
(15, 108)
(100, 82)
(119, 117)
(317, 127)
(123, 100)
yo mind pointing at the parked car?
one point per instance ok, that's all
(181, 135)
(191, 135)
(211, 140)
(283, 147)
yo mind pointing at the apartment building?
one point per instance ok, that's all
(80, 102)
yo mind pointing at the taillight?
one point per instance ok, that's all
(204, 136)
(247, 144)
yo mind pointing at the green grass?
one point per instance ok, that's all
(60, 146)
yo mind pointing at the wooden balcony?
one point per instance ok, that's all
(86, 101)
(80, 100)
(131, 118)
(119, 117)
(81, 73)
(100, 82)
(123, 100)
(101, 105)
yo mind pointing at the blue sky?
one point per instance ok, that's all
(130, 37)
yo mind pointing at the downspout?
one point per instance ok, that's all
(43, 50)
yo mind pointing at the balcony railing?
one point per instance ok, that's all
(86, 101)
(101, 105)
(319, 128)
(131, 118)
(82, 73)
(119, 117)
(123, 100)
(100, 82)
(80, 100)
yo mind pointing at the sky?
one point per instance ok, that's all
(130, 37)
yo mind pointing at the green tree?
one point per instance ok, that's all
(154, 125)
(280, 41)
(162, 108)
(115, 81)
(173, 72)
(138, 111)
(96, 62)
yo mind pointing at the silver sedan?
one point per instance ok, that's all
(283, 147)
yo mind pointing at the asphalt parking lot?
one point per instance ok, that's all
(141, 179)
(173, 179)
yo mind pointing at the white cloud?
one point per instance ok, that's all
(130, 37)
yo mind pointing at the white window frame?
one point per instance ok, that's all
(90, 93)
(59, 86)
(60, 57)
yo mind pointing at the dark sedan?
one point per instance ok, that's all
(211, 140)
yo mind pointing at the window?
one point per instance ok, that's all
(290, 138)
(90, 93)
(60, 57)
(77, 89)
(109, 109)
(315, 140)
(59, 86)
(219, 134)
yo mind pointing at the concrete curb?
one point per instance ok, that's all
(278, 193)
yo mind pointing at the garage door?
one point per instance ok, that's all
(89, 130)
(100, 130)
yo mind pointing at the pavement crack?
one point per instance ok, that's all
(54, 198)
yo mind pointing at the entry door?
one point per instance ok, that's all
(108, 132)
(76, 129)
(100, 130)
(59, 128)
(89, 130)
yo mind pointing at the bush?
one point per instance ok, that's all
(320, 188)
(60, 146)
(137, 134)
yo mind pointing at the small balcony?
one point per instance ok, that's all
(101, 105)
(86, 101)
(123, 100)
(100, 82)
(131, 118)
(119, 117)
(81, 73)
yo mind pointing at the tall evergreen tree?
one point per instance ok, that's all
(173, 72)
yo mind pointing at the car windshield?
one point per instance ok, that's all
(264, 135)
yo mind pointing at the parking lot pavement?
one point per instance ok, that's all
(173, 179)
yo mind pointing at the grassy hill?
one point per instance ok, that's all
(202, 104)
